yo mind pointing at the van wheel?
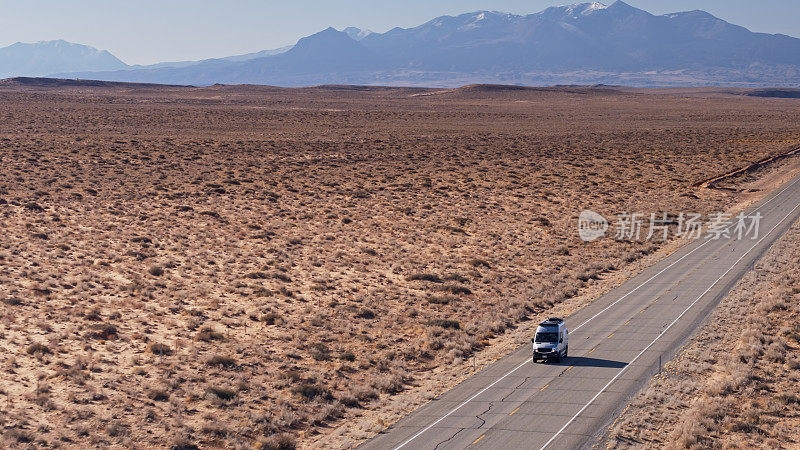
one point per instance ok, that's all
(566, 351)
(535, 360)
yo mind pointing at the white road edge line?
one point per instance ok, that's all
(584, 323)
(665, 330)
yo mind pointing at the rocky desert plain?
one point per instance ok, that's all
(245, 266)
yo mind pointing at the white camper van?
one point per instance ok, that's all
(551, 340)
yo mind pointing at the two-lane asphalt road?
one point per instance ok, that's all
(615, 345)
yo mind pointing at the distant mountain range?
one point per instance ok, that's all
(588, 43)
(58, 57)
(44, 58)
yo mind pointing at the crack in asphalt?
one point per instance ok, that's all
(524, 380)
(478, 416)
(448, 439)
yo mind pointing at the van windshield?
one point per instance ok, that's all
(546, 338)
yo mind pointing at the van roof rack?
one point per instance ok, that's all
(553, 320)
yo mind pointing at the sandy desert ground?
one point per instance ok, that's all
(237, 266)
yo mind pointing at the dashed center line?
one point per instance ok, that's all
(512, 412)
(479, 439)
(545, 387)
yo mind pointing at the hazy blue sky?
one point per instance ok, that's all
(147, 31)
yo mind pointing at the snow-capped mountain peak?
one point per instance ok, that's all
(60, 45)
(585, 9)
(476, 20)
(356, 34)
(594, 6)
